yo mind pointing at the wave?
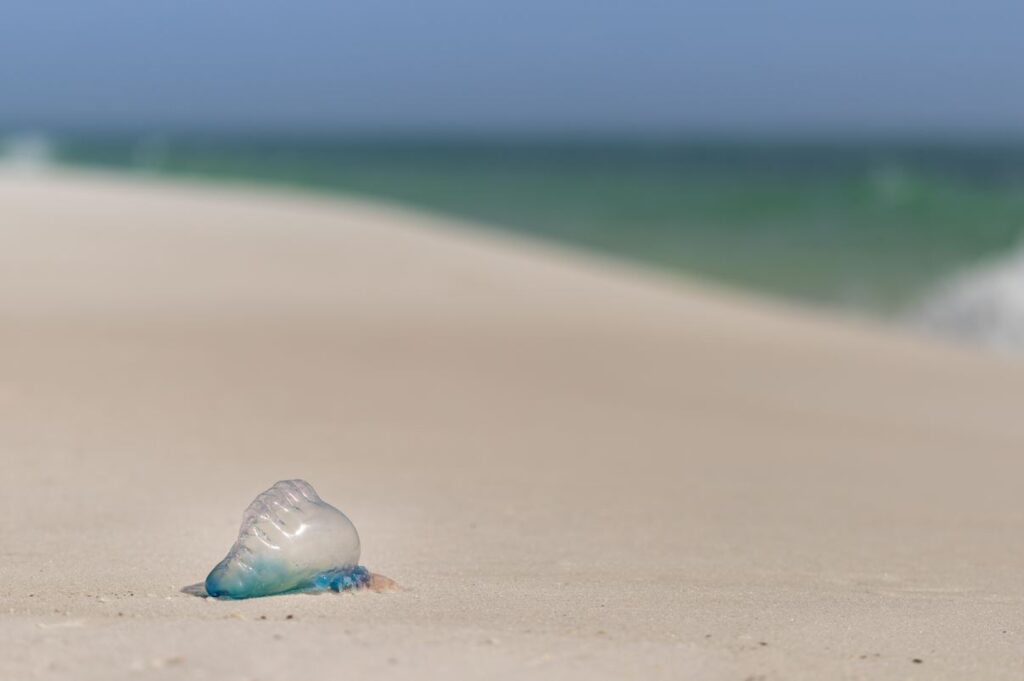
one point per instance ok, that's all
(983, 305)
(26, 152)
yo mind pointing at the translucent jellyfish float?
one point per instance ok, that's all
(291, 541)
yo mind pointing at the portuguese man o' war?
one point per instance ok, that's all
(291, 540)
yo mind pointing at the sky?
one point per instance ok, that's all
(648, 66)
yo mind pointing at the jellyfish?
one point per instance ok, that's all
(291, 541)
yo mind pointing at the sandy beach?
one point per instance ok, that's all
(573, 468)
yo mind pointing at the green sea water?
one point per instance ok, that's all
(864, 225)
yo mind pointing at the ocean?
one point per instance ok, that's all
(884, 228)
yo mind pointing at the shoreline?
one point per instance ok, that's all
(574, 469)
(872, 230)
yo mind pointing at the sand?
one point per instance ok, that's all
(574, 468)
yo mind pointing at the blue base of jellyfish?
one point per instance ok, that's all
(339, 580)
(270, 583)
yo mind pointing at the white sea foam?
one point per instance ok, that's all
(983, 305)
(26, 152)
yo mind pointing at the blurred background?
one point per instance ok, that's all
(864, 156)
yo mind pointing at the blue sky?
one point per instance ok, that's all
(647, 66)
